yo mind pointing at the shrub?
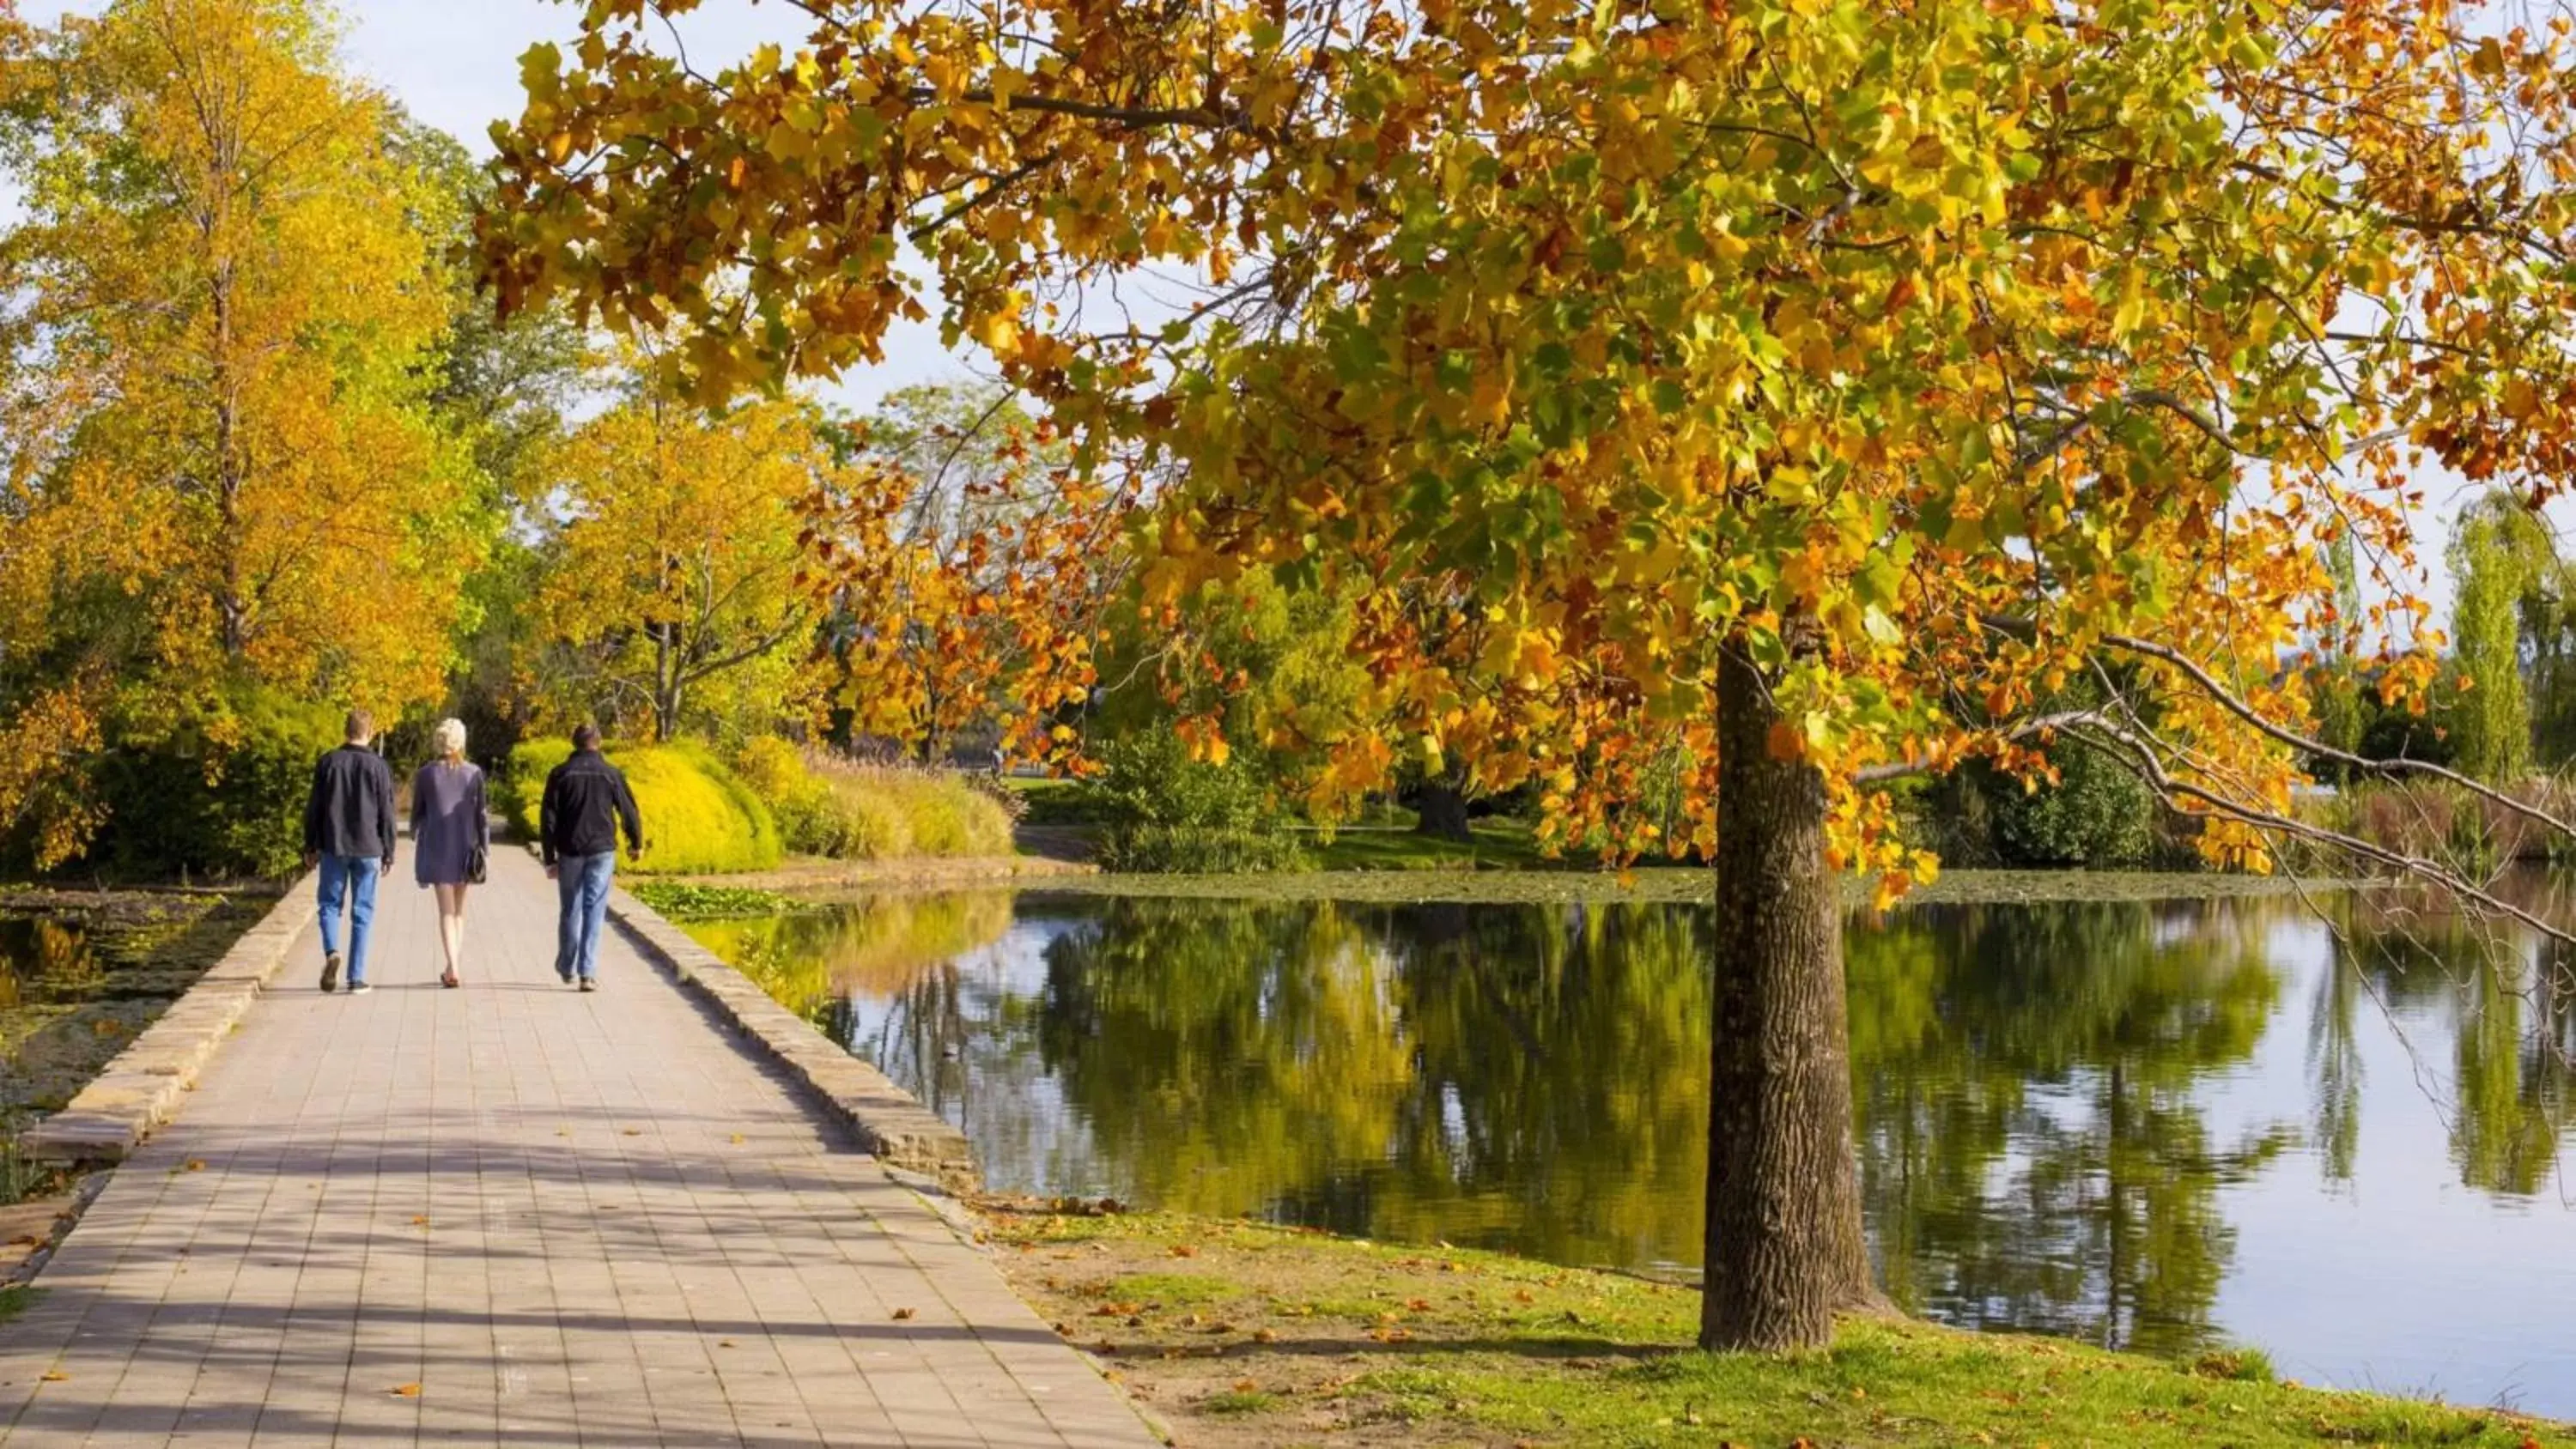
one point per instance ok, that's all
(219, 791)
(1168, 812)
(847, 811)
(523, 782)
(1150, 779)
(698, 818)
(2097, 814)
(808, 819)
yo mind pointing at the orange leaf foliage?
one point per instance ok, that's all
(1936, 355)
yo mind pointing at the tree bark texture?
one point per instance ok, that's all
(1442, 812)
(1784, 1247)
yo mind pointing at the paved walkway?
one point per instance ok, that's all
(513, 1214)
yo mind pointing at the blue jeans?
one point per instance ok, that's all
(581, 886)
(352, 877)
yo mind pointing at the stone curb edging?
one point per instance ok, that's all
(143, 1085)
(890, 1123)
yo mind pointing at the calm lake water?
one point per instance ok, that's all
(2159, 1126)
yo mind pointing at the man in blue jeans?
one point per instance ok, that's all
(349, 832)
(585, 804)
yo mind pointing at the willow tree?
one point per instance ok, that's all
(1828, 381)
(218, 313)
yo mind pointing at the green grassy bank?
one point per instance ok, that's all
(1240, 1336)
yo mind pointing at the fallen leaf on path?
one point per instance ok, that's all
(634, 1131)
(901, 1314)
(725, 1343)
(421, 1221)
(196, 1164)
(405, 1391)
(737, 1137)
(1263, 1335)
(57, 1376)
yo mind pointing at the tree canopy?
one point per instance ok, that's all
(1923, 353)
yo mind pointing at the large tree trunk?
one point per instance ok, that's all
(1442, 812)
(1784, 1233)
(666, 683)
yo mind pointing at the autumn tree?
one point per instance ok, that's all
(215, 321)
(672, 588)
(1830, 383)
(967, 568)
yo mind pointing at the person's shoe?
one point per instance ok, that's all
(590, 983)
(449, 979)
(567, 977)
(330, 972)
(360, 988)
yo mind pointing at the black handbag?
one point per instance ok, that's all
(478, 864)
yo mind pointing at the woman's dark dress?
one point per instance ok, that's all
(447, 822)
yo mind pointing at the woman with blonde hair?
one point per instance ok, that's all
(451, 836)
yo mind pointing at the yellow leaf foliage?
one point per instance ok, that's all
(213, 421)
(1933, 355)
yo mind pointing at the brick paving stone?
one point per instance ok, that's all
(515, 1214)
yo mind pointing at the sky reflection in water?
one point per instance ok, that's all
(2160, 1126)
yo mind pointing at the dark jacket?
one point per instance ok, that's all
(351, 810)
(586, 800)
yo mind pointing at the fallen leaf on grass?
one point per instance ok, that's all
(1184, 1250)
(1245, 1386)
(1420, 1305)
(901, 1314)
(1263, 1335)
(405, 1391)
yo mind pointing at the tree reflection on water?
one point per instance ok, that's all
(2034, 1085)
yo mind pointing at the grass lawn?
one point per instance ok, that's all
(1239, 1336)
(1498, 845)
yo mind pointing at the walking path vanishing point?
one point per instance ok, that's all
(515, 1214)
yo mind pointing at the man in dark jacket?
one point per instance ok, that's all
(349, 832)
(586, 803)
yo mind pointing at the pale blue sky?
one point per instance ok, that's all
(455, 65)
